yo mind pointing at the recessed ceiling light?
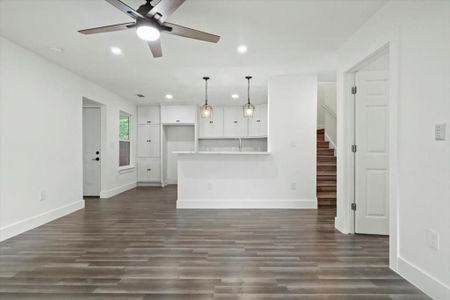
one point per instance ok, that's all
(56, 49)
(116, 50)
(242, 49)
(235, 96)
(169, 96)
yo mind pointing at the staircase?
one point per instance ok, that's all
(326, 172)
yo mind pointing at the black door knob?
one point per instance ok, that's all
(97, 158)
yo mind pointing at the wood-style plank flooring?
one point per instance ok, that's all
(138, 246)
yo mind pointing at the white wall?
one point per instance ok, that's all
(327, 96)
(41, 139)
(285, 178)
(419, 37)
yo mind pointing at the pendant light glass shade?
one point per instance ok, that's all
(249, 108)
(206, 109)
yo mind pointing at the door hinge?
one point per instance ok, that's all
(353, 206)
(354, 148)
(354, 90)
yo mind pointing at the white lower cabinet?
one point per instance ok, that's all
(234, 122)
(149, 169)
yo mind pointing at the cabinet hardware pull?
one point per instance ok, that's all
(258, 121)
(178, 121)
(235, 122)
(149, 121)
(149, 141)
(149, 169)
(210, 122)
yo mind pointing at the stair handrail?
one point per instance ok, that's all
(329, 111)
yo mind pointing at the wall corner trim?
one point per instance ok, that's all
(424, 281)
(117, 190)
(19, 227)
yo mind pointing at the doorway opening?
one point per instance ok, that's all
(326, 183)
(92, 149)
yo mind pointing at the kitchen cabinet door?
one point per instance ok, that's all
(234, 125)
(212, 127)
(149, 144)
(258, 123)
(148, 115)
(182, 114)
(149, 169)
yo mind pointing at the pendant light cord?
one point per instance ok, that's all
(248, 89)
(206, 90)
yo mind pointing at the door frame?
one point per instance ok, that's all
(345, 184)
(102, 108)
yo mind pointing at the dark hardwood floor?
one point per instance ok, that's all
(138, 246)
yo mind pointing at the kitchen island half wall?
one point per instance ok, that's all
(235, 180)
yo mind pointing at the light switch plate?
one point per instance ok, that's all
(440, 131)
(432, 239)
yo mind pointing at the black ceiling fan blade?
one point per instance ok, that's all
(192, 33)
(164, 9)
(155, 48)
(109, 28)
(125, 8)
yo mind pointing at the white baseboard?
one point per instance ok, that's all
(117, 190)
(424, 281)
(14, 229)
(149, 184)
(247, 204)
(332, 143)
(339, 225)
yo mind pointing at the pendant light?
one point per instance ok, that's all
(249, 109)
(205, 109)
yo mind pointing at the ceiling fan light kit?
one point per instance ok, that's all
(206, 109)
(150, 21)
(249, 108)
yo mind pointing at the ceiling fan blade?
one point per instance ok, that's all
(164, 9)
(125, 8)
(192, 33)
(155, 47)
(109, 28)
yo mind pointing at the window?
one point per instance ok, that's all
(124, 140)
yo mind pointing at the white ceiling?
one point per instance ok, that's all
(283, 37)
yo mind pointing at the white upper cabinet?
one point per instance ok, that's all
(182, 114)
(212, 127)
(148, 141)
(234, 125)
(257, 125)
(148, 115)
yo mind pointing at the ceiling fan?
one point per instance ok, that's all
(150, 21)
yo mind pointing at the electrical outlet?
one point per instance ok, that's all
(293, 186)
(43, 195)
(439, 132)
(293, 144)
(432, 239)
(210, 186)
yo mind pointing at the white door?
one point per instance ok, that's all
(91, 151)
(372, 154)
